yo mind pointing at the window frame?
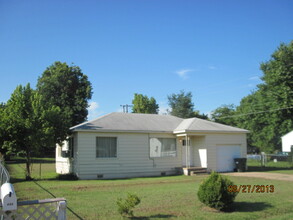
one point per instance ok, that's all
(184, 142)
(108, 157)
(169, 156)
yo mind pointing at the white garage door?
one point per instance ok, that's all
(225, 157)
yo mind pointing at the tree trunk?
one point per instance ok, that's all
(28, 165)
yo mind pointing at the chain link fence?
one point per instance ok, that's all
(274, 161)
(11, 209)
(40, 168)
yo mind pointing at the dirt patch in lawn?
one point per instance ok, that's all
(128, 185)
(264, 175)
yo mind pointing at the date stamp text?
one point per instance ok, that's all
(251, 188)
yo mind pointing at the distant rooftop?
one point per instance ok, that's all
(134, 122)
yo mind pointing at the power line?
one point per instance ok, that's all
(252, 113)
(269, 100)
(253, 105)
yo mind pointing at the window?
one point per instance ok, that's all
(162, 147)
(106, 147)
(67, 148)
(65, 153)
(184, 142)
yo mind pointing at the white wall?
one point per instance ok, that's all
(133, 154)
(213, 141)
(62, 165)
(132, 157)
(287, 142)
(66, 165)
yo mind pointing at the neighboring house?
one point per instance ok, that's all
(287, 142)
(120, 145)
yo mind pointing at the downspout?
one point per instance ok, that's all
(151, 158)
(190, 154)
(186, 150)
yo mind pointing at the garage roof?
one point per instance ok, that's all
(200, 125)
(146, 123)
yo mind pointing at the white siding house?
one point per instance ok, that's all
(121, 145)
(287, 142)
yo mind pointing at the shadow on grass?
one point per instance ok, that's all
(151, 217)
(34, 161)
(248, 207)
(43, 188)
(19, 180)
(259, 168)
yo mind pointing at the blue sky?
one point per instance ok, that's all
(210, 48)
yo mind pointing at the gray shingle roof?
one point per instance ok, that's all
(124, 122)
(117, 121)
(200, 125)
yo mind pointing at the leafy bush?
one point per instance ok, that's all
(125, 206)
(214, 193)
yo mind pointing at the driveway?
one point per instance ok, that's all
(264, 175)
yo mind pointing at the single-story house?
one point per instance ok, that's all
(121, 145)
(287, 142)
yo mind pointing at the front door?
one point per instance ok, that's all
(203, 157)
(187, 156)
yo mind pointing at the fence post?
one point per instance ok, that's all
(61, 209)
(40, 171)
(263, 159)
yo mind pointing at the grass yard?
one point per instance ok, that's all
(271, 166)
(41, 169)
(161, 197)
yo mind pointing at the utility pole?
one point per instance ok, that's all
(125, 107)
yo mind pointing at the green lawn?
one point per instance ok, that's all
(270, 166)
(161, 197)
(41, 169)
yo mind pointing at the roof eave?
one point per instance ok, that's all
(119, 131)
(211, 131)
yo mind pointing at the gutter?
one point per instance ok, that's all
(120, 131)
(211, 131)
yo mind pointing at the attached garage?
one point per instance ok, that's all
(226, 156)
(211, 145)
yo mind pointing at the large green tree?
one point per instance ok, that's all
(28, 124)
(253, 116)
(69, 89)
(144, 104)
(268, 111)
(225, 114)
(3, 131)
(181, 104)
(197, 114)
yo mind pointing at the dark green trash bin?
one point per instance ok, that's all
(240, 164)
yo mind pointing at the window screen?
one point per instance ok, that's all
(106, 147)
